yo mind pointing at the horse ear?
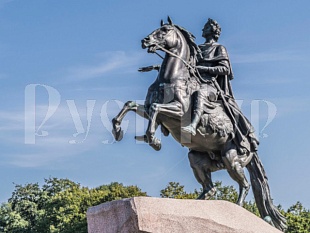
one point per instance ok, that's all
(170, 21)
(162, 23)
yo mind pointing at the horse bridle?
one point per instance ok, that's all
(189, 66)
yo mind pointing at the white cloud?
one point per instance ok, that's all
(118, 61)
(15, 120)
(43, 157)
(55, 146)
(11, 121)
(289, 105)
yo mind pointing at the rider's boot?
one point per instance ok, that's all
(191, 128)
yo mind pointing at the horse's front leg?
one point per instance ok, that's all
(151, 129)
(116, 121)
(172, 110)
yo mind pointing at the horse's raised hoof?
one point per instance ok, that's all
(117, 130)
(155, 144)
(118, 134)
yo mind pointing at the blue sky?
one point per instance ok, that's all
(68, 65)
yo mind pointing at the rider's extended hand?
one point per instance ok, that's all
(148, 68)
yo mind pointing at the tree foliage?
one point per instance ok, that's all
(298, 218)
(60, 205)
(175, 190)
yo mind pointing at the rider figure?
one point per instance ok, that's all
(214, 66)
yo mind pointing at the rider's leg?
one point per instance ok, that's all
(206, 94)
(191, 128)
(235, 170)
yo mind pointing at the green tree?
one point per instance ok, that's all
(25, 206)
(59, 206)
(117, 191)
(227, 193)
(298, 219)
(10, 220)
(175, 190)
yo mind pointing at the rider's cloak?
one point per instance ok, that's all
(216, 56)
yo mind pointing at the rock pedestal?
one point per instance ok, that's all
(162, 215)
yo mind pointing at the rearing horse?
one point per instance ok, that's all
(168, 104)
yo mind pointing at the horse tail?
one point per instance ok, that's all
(262, 196)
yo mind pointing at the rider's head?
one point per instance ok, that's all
(211, 28)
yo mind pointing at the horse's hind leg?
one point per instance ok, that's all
(236, 172)
(202, 166)
(116, 121)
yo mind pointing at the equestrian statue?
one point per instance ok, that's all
(192, 100)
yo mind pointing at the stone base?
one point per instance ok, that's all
(162, 215)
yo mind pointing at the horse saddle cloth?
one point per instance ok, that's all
(215, 120)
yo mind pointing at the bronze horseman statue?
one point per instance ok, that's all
(192, 100)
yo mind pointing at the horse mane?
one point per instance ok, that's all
(190, 39)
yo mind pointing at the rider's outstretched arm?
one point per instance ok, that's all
(149, 68)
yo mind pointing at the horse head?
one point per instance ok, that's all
(164, 37)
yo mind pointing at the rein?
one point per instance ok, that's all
(193, 69)
(174, 55)
(159, 55)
